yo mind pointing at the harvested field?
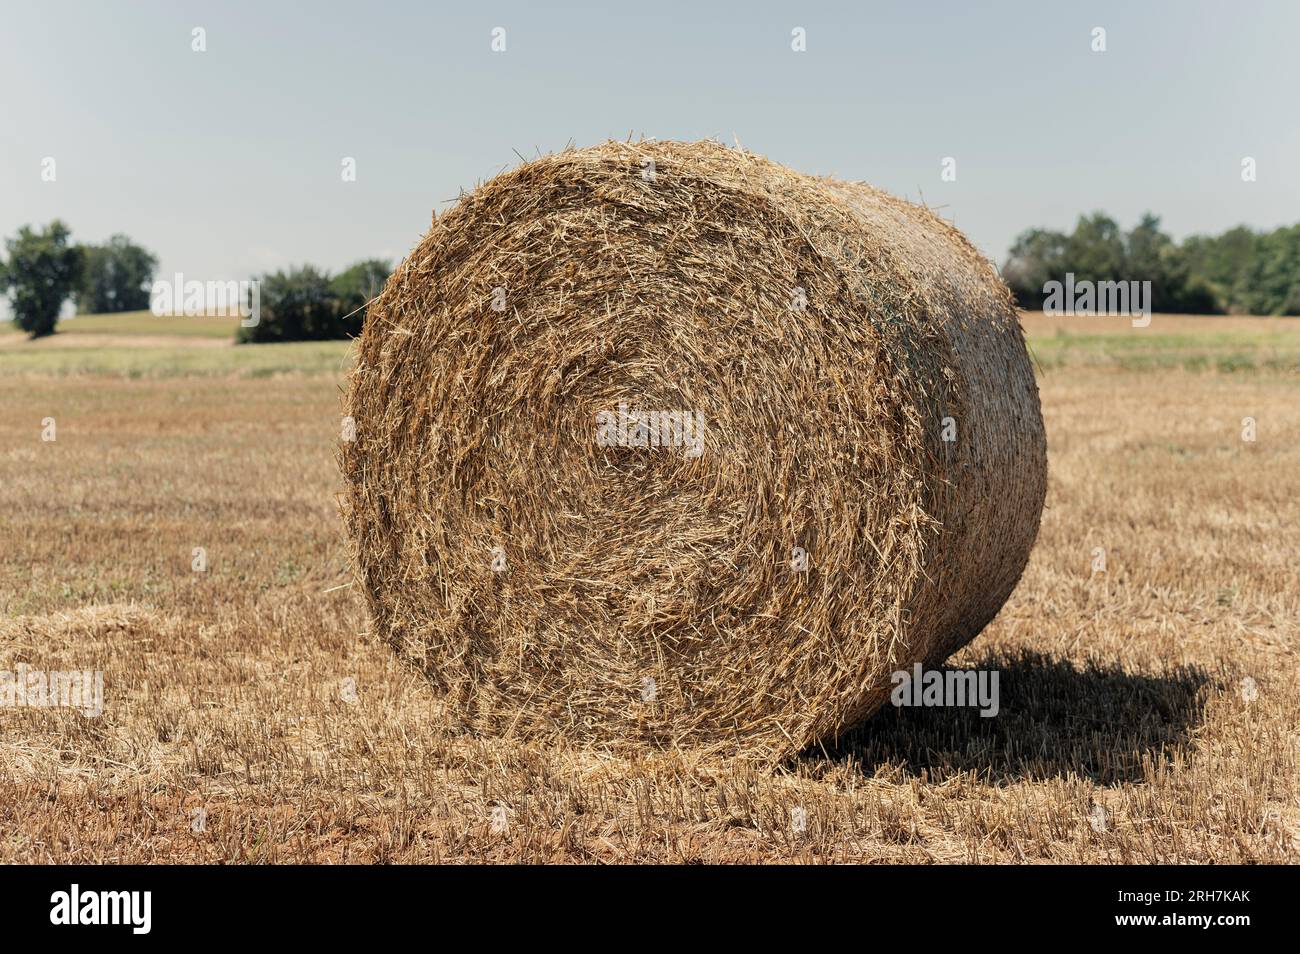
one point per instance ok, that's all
(1148, 712)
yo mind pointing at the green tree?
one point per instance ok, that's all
(1223, 264)
(356, 287)
(305, 304)
(1274, 273)
(1151, 255)
(115, 276)
(1037, 257)
(297, 305)
(1095, 249)
(40, 274)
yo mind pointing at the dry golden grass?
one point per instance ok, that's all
(224, 690)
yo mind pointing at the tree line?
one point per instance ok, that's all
(43, 269)
(1241, 271)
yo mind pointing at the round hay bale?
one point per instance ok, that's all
(664, 444)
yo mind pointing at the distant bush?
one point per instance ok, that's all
(304, 304)
(115, 276)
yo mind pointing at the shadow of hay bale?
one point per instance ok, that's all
(1055, 720)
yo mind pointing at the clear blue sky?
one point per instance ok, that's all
(227, 162)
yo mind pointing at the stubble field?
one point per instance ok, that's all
(1149, 710)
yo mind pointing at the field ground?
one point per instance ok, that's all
(1150, 711)
(141, 323)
